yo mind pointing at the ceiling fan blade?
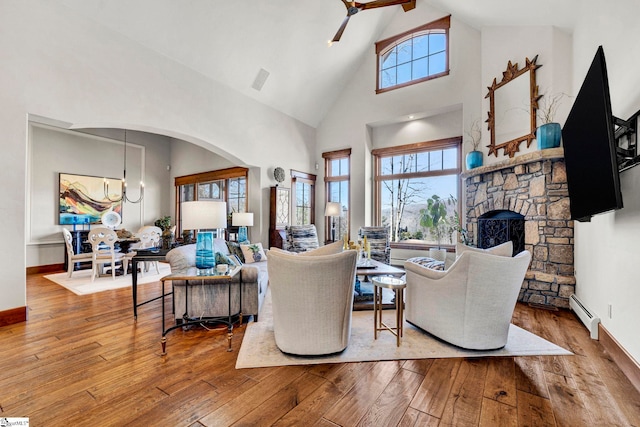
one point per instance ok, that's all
(409, 5)
(336, 38)
(381, 3)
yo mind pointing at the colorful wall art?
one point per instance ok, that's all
(83, 200)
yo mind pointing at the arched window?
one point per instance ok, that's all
(414, 56)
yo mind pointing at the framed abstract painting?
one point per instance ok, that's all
(83, 199)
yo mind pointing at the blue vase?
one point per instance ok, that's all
(474, 159)
(205, 258)
(548, 136)
(242, 234)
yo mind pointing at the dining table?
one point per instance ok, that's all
(124, 243)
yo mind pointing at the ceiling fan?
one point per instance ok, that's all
(354, 7)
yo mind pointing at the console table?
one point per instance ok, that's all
(201, 278)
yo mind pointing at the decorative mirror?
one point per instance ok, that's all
(512, 108)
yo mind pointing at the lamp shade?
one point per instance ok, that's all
(204, 214)
(332, 209)
(242, 219)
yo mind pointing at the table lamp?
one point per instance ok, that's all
(204, 215)
(333, 210)
(242, 220)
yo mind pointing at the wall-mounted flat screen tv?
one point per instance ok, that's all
(590, 147)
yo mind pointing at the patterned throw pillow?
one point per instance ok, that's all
(378, 239)
(224, 259)
(234, 249)
(301, 238)
(253, 253)
(427, 262)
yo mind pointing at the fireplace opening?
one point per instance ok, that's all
(500, 226)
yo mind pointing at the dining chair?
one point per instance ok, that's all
(73, 257)
(103, 242)
(149, 236)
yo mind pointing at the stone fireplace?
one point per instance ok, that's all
(533, 188)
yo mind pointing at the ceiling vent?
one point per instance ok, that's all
(258, 82)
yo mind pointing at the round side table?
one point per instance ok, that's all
(398, 286)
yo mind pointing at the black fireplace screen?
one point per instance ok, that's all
(500, 226)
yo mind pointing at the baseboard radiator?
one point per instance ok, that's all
(587, 316)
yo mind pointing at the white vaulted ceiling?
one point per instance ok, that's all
(230, 41)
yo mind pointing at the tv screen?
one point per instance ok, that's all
(590, 147)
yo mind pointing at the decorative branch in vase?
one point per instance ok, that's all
(474, 134)
(549, 133)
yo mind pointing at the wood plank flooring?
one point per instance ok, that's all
(83, 361)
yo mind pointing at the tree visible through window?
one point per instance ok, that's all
(413, 56)
(417, 191)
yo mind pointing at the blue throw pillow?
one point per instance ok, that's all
(224, 259)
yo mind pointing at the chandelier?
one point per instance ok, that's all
(123, 197)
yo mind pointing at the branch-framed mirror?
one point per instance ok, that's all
(513, 103)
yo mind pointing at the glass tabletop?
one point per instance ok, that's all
(389, 282)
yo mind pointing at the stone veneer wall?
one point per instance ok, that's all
(535, 186)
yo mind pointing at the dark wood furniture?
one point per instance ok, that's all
(278, 215)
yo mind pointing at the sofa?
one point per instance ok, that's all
(213, 301)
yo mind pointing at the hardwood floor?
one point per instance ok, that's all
(83, 361)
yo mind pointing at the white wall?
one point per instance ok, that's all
(503, 44)
(606, 253)
(431, 128)
(61, 66)
(349, 121)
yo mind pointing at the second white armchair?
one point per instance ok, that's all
(470, 304)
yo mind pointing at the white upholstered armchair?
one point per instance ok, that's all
(471, 303)
(312, 301)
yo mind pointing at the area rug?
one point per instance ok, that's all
(259, 349)
(80, 283)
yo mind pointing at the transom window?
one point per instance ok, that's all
(413, 56)
(417, 191)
